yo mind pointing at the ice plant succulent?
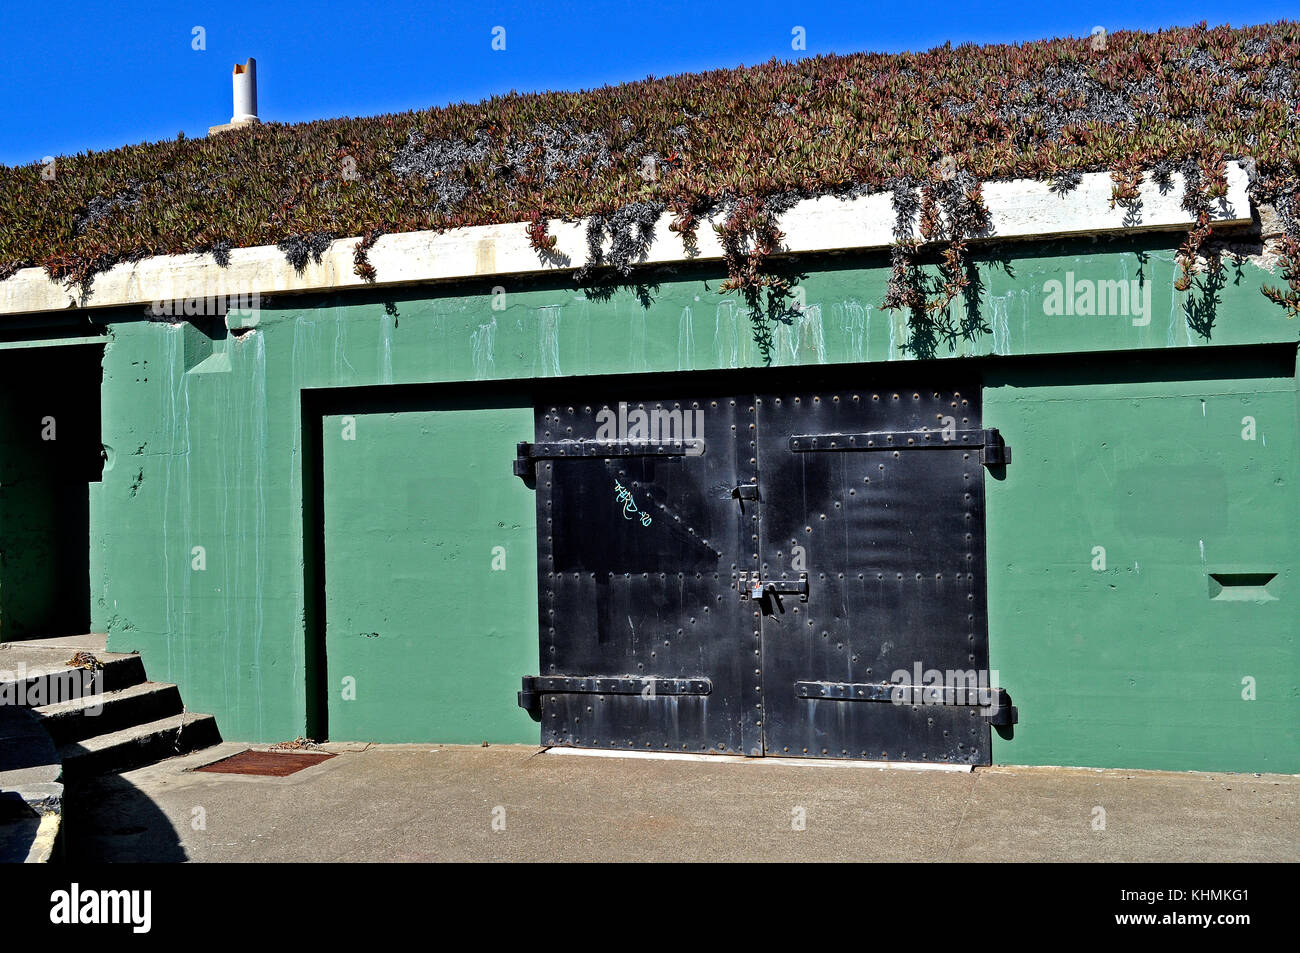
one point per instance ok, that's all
(744, 141)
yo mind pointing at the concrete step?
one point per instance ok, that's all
(101, 714)
(38, 682)
(138, 745)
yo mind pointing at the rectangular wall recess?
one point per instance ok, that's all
(1242, 586)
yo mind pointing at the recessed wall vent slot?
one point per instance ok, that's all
(1242, 586)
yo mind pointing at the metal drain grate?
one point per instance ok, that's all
(272, 764)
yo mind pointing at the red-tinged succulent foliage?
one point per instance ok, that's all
(361, 265)
(1290, 261)
(926, 127)
(538, 238)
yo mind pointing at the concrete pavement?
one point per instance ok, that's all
(424, 803)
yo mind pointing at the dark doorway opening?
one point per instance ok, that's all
(50, 451)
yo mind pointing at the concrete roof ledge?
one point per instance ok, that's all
(1019, 209)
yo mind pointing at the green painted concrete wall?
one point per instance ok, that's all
(206, 449)
(430, 560)
(1123, 501)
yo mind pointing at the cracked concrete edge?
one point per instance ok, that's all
(42, 800)
(1018, 209)
(46, 842)
(31, 784)
(44, 797)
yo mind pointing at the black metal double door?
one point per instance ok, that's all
(797, 574)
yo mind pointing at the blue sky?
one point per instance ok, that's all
(88, 76)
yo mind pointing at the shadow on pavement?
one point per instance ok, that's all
(107, 819)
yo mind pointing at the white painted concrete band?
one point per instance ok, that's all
(1020, 209)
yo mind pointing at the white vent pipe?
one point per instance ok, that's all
(245, 80)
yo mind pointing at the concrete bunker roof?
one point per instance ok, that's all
(832, 147)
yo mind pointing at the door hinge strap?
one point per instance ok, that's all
(526, 453)
(996, 451)
(995, 703)
(537, 685)
(988, 442)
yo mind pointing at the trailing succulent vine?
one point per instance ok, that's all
(740, 145)
(750, 237)
(361, 265)
(951, 210)
(630, 232)
(1283, 193)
